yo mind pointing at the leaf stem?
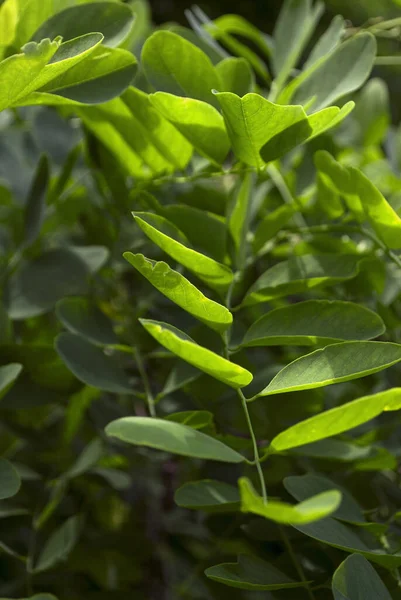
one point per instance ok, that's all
(281, 185)
(148, 392)
(295, 561)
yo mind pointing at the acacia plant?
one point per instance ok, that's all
(200, 319)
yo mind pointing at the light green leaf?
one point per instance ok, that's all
(337, 420)
(334, 364)
(302, 273)
(30, 292)
(183, 346)
(141, 139)
(19, 71)
(341, 72)
(104, 74)
(332, 532)
(8, 24)
(178, 289)
(209, 496)
(8, 376)
(171, 437)
(326, 42)
(10, 481)
(356, 579)
(294, 27)
(236, 75)
(382, 217)
(90, 364)
(240, 215)
(81, 316)
(313, 509)
(59, 544)
(326, 119)
(313, 322)
(251, 573)
(170, 61)
(112, 19)
(211, 272)
(271, 224)
(372, 114)
(328, 197)
(201, 124)
(302, 487)
(197, 419)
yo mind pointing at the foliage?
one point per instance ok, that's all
(200, 318)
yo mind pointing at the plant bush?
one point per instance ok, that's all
(200, 325)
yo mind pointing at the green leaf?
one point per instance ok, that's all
(382, 217)
(328, 197)
(302, 487)
(211, 272)
(106, 73)
(270, 225)
(197, 419)
(171, 437)
(313, 509)
(341, 72)
(112, 19)
(372, 114)
(142, 140)
(302, 273)
(356, 579)
(183, 346)
(180, 375)
(81, 316)
(178, 289)
(170, 61)
(321, 322)
(251, 573)
(59, 544)
(326, 42)
(201, 124)
(10, 481)
(294, 27)
(90, 364)
(89, 457)
(209, 496)
(332, 449)
(337, 420)
(8, 376)
(19, 71)
(240, 215)
(236, 75)
(334, 364)
(35, 204)
(30, 293)
(332, 532)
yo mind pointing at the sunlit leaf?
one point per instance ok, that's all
(171, 437)
(236, 75)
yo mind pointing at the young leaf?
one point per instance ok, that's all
(177, 288)
(302, 273)
(90, 364)
(171, 437)
(334, 364)
(332, 532)
(10, 481)
(183, 346)
(170, 61)
(328, 197)
(313, 509)
(35, 204)
(313, 322)
(113, 20)
(356, 579)
(236, 75)
(342, 71)
(59, 544)
(213, 273)
(337, 420)
(8, 375)
(302, 487)
(201, 124)
(82, 317)
(209, 496)
(251, 573)
(382, 217)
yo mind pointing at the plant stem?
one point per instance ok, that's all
(254, 444)
(280, 183)
(148, 392)
(295, 561)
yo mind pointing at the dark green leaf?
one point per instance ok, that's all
(35, 204)
(356, 579)
(10, 481)
(197, 419)
(59, 544)
(8, 375)
(81, 316)
(209, 496)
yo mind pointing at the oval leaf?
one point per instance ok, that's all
(181, 291)
(171, 437)
(183, 346)
(313, 322)
(82, 317)
(10, 481)
(208, 495)
(8, 375)
(334, 364)
(59, 544)
(356, 579)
